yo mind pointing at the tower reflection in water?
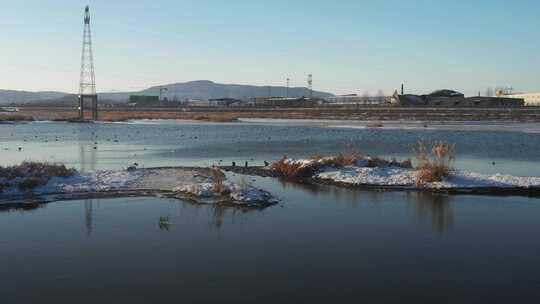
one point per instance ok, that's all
(88, 163)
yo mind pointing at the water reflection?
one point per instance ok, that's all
(219, 213)
(435, 207)
(164, 223)
(88, 215)
(87, 152)
(27, 207)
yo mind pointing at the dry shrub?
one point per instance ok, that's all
(15, 117)
(29, 175)
(340, 160)
(377, 162)
(218, 181)
(406, 164)
(317, 157)
(434, 164)
(294, 170)
(32, 182)
(217, 117)
(346, 159)
(36, 169)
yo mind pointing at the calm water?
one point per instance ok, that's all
(320, 244)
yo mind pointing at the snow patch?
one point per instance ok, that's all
(237, 193)
(388, 176)
(360, 174)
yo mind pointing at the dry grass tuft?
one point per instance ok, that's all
(36, 169)
(294, 170)
(218, 181)
(377, 162)
(32, 182)
(216, 117)
(29, 175)
(340, 160)
(434, 164)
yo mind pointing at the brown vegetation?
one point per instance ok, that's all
(217, 117)
(29, 175)
(340, 160)
(15, 117)
(377, 162)
(434, 164)
(294, 170)
(290, 169)
(218, 181)
(368, 114)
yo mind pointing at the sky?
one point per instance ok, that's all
(350, 46)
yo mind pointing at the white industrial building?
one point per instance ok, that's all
(531, 99)
(359, 100)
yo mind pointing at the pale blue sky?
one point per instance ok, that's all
(350, 46)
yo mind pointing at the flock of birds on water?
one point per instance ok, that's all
(113, 138)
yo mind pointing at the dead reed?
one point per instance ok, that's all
(218, 181)
(433, 164)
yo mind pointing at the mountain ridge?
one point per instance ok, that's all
(197, 89)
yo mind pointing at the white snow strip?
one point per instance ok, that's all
(85, 182)
(388, 176)
(396, 176)
(237, 193)
(463, 179)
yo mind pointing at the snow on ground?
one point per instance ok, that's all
(97, 181)
(198, 190)
(388, 176)
(396, 176)
(195, 182)
(84, 182)
(237, 193)
(463, 179)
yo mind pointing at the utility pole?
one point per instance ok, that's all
(87, 84)
(288, 82)
(310, 85)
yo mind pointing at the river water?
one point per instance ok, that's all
(320, 244)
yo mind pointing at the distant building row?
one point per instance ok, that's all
(531, 99)
(440, 98)
(453, 99)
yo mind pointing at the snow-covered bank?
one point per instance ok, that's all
(80, 182)
(395, 176)
(231, 193)
(194, 184)
(392, 176)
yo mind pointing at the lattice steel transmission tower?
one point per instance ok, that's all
(87, 85)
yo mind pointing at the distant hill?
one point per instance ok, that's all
(19, 97)
(204, 89)
(201, 89)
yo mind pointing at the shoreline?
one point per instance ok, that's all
(162, 182)
(367, 114)
(258, 171)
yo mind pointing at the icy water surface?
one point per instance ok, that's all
(320, 244)
(512, 149)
